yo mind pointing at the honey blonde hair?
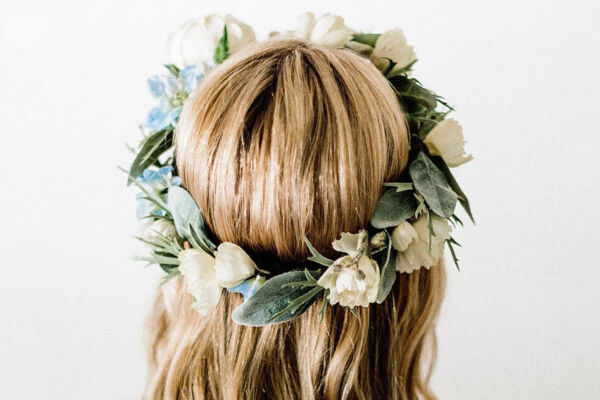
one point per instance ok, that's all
(282, 141)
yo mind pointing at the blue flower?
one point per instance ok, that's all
(191, 76)
(248, 287)
(156, 180)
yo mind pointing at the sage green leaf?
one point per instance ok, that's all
(462, 198)
(188, 219)
(273, 303)
(222, 50)
(316, 256)
(393, 208)
(388, 272)
(151, 148)
(431, 183)
(410, 89)
(400, 186)
(370, 39)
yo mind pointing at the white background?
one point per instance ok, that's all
(520, 321)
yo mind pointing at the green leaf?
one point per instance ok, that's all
(188, 218)
(273, 303)
(151, 148)
(388, 272)
(370, 39)
(316, 256)
(431, 183)
(393, 208)
(222, 50)
(400, 186)
(409, 89)
(173, 69)
(450, 242)
(462, 198)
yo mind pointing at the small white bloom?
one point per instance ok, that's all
(446, 140)
(159, 228)
(233, 265)
(327, 30)
(392, 45)
(350, 243)
(403, 235)
(351, 284)
(198, 269)
(417, 253)
(195, 41)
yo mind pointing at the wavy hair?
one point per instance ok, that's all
(286, 140)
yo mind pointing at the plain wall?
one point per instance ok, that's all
(521, 319)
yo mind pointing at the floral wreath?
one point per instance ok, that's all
(410, 226)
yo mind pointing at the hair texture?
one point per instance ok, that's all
(286, 140)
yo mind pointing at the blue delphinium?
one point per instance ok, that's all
(171, 91)
(156, 180)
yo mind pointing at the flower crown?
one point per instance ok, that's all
(410, 226)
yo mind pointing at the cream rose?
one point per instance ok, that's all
(446, 140)
(159, 228)
(392, 45)
(417, 253)
(232, 265)
(351, 284)
(198, 270)
(403, 235)
(195, 41)
(327, 30)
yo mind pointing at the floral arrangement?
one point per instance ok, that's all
(410, 227)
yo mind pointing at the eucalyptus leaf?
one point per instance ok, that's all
(431, 183)
(388, 272)
(400, 186)
(222, 50)
(151, 148)
(370, 39)
(462, 198)
(272, 298)
(393, 208)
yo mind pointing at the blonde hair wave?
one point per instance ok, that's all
(282, 141)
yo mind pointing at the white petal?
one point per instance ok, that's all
(348, 243)
(233, 265)
(306, 23)
(206, 301)
(446, 140)
(403, 235)
(392, 44)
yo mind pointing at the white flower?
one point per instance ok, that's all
(403, 235)
(392, 45)
(446, 140)
(195, 41)
(417, 253)
(351, 284)
(159, 228)
(233, 265)
(198, 269)
(327, 30)
(350, 243)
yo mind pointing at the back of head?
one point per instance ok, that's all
(283, 141)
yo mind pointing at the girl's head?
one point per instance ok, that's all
(283, 141)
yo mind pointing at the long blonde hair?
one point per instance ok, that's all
(282, 141)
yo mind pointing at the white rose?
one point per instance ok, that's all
(446, 140)
(350, 284)
(403, 235)
(392, 45)
(417, 254)
(158, 229)
(233, 265)
(327, 30)
(195, 41)
(198, 269)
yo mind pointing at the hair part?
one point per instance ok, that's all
(287, 140)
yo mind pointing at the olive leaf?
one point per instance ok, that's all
(316, 256)
(393, 208)
(188, 219)
(462, 198)
(151, 148)
(388, 272)
(431, 183)
(280, 299)
(222, 50)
